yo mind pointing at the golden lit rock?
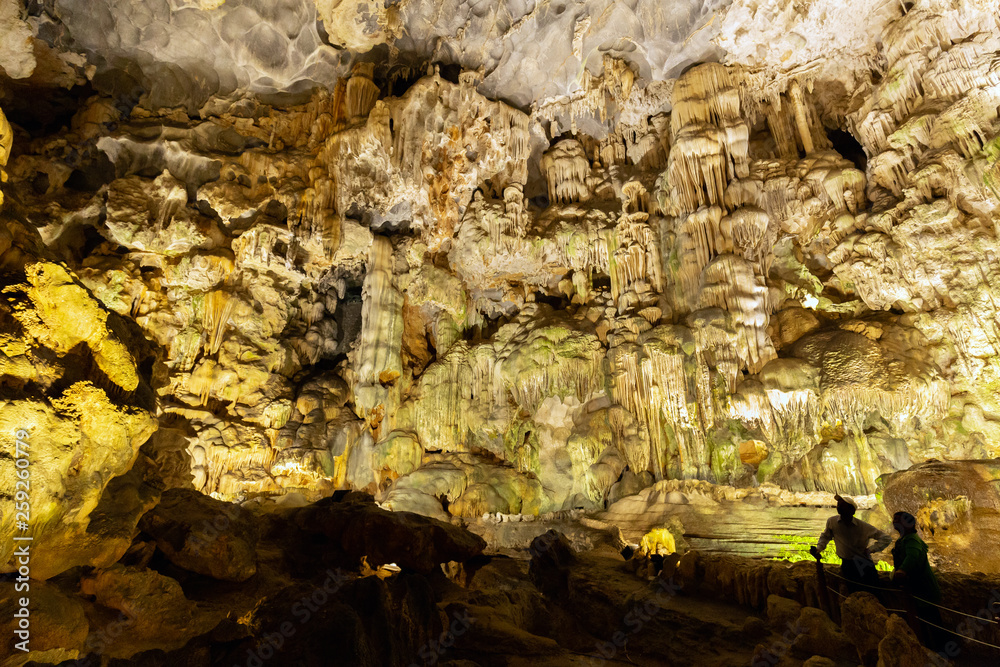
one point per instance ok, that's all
(79, 436)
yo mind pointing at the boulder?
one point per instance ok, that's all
(676, 498)
(819, 661)
(818, 635)
(900, 646)
(908, 490)
(957, 508)
(363, 622)
(416, 501)
(754, 627)
(551, 558)
(782, 612)
(150, 611)
(689, 570)
(496, 633)
(58, 626)
(773, 655)
(204, 535)
(863, 619)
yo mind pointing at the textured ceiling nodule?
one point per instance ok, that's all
(661, 264)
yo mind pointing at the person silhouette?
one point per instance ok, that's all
(913, 571)
(851, 537)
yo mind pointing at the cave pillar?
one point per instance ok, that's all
(379, 357)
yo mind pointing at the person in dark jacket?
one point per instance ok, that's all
(913, 571)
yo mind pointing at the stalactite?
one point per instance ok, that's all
(635, 198)
(801, 120)
(210, 380)
(700, 237)
(732, 284)
(218, 307)
(413, 153)
(361, 92)
(919, 30)
(566, 168)
(514, 209)
(891, 170)
(875, 129)
(652, 379)
(708, 136)
(965, 66)
(779, 122)
(749, 231)
(315, 208)
(612, 151)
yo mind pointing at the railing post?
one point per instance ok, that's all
(824, 593)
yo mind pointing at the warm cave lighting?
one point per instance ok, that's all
(394, 332)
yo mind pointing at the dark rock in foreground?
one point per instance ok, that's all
(342, 533)
(204, 535)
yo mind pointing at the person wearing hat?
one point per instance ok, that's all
(852, 537)
(913, 571)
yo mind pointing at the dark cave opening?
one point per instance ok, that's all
(450, 72)
(557, 301)
(400, 78)
(601, 283)
(91, 239)
(40, 111)
(845, 144)
(540, 202)
(93, 175)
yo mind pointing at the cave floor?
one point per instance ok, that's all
(610, 616)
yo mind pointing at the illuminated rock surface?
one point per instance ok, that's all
(957, 508)
(80, 409)
(648, 273)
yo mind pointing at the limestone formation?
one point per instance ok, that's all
(956, 506)
(76, 412)
(590, 278)
(505, 261)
